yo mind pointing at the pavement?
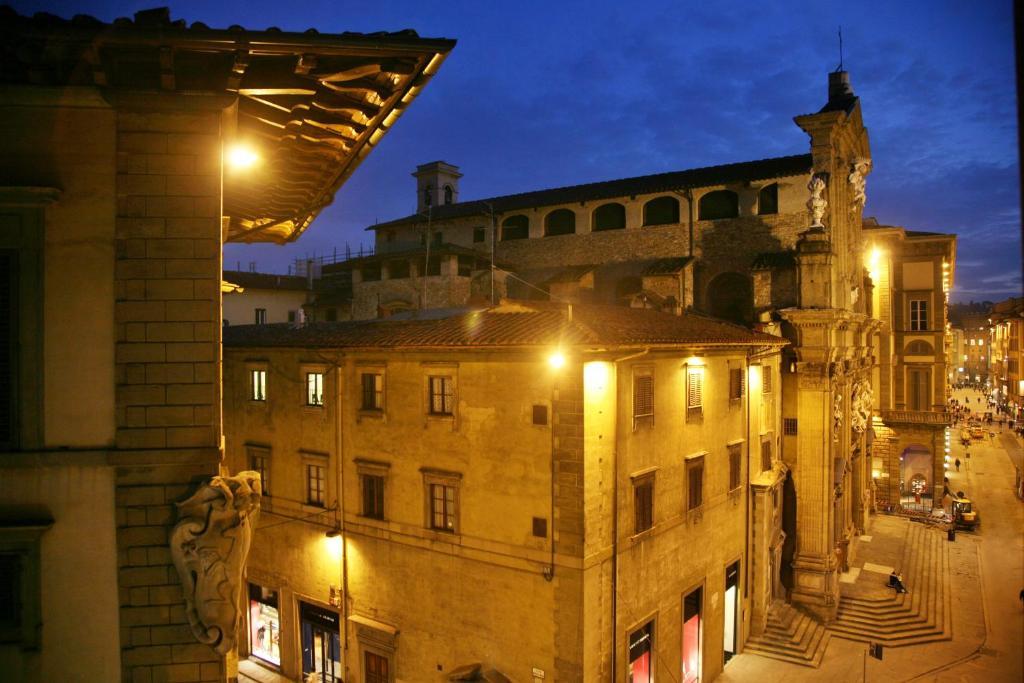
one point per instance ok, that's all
(986, 574)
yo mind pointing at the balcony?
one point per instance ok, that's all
(920, 417)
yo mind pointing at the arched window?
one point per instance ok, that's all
(515, 228)
(718, 204)
(610, 217)
(449, 194)
(560, 222)
(731, 297)
(427, 198)
(919, 347)
(768, 200)
(661, 211)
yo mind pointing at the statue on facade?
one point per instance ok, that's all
(860, 406)
(857, 178)
(837, 414)
(816, 204)
(209, 546)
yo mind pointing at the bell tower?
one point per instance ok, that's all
(437, 184)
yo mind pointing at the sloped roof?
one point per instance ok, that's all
(250, 280)
(667, 266)
(778, 167)
(510, 324)
(315, 104)
(777, 259)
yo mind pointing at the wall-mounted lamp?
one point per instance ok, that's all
(240, 156)
(333, 533)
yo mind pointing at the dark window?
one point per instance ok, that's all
(643, 504)
(766, 456)
(735, 466)
(560, 222)
(610, 217)
(515, 228)
(291, 316)
(465, 264)
(442, 395)
(920, 347)
(736, 384)
(375, 668)
(8, 347)
(449, 194)
(789, 426)
(919, 315)
(643, 396)
(373, 391)
(540, 527)
(398, 269)
(438, 239)
(427, 198)
(479, 234)
(434, 265)
(540, 415)
(10, 596)
(316, 478)
(261, 316)
(373, 496)
(370, 272)
(694, 483)
(768, 200)
(661, 211)
(919, 388)
(259, 461)
(718, 204)
(442, 507)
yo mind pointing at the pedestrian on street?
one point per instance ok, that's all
(957, 463)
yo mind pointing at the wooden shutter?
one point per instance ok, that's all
(695, 388)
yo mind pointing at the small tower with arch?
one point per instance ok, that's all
(437, 184)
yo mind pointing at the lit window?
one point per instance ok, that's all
(373, 391)
(643, 503)
(694, 392)
(442, 395)
(261, 316)
(919, 314)
(258, 385)
(641, 653)
(442, 491)
(694, 483)
(314, 388)
(316, 480)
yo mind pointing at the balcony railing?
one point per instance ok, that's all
(926, 417)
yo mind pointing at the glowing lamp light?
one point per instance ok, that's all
(241, 156)
(556, 360)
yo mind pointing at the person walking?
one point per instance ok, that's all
(957, 463)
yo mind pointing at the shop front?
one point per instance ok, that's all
(691, 656)
(264, 625)
(321, 644)
(640, 654)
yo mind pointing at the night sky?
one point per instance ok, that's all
(544, 94)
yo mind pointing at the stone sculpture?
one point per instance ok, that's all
(837, 414)
(816, 204)
(860, 407)
(860, 168)
(209, 546)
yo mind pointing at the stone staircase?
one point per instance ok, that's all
(791, 636)
(922, 615)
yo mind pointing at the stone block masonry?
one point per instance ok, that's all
(167, 325)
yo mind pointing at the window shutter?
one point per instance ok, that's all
(643, 395)
(695, 388)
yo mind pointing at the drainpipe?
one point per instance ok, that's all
(338, 449)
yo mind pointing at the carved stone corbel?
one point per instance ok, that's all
(209, 546)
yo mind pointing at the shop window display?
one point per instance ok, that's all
(321, 644)
(691, 636)
(264, 625)
(640, 669)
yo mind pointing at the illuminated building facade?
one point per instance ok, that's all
(522, 487)
(1007, 332)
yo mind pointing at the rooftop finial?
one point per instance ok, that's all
(840, 67)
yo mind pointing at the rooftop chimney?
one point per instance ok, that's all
(839, 86)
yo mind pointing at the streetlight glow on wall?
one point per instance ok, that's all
(556, 360)
(241, 156)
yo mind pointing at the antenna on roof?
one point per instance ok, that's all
(840, 68)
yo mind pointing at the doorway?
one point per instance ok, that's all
(321, 644)
(732, 603)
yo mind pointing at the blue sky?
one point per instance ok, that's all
(543, 94)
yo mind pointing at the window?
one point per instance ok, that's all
(694, 393)
(919, 347)
(373, 495)
(442, 493)
(316, 482)
(643, 396)
(465, 266)
(434, 265)
(766, 379)
(398, 269)
(540, 415)
(479, 234)
(540, 527)
(919, 388)
(560, 222)
(789, 426)
(718, 204)
(972, 344)
(736, 383)
(515, 228)
(766, 455)
(438, 239)
(259, 461)
(373, 391)
(919, 315)
(692, 650)
(735, 466)
(261, 316)
(375, 668)
(641, 653)
(314, 388)
(291, 316)
(694, 482)
(371, 272)
(643, 503)
(610, 217)
(264, 624)
(449, 194)
(441, 391)
(258, 385)
(661, 211)
(768, 200)
(20, 606)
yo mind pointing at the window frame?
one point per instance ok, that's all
(23, 542)
(260, 316)
(259, 390)
(259, 459)
(694, 400)
(737, 384)
(447, 480)
(313, 373)
(380, 393)
(735, 455)
(695, 462)
(378, 470)
(643, 482)
(642, 374)
(664, 200)
(774, 189)
(321, 462)
(918, 319)
(446, 375)
(598, 226)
